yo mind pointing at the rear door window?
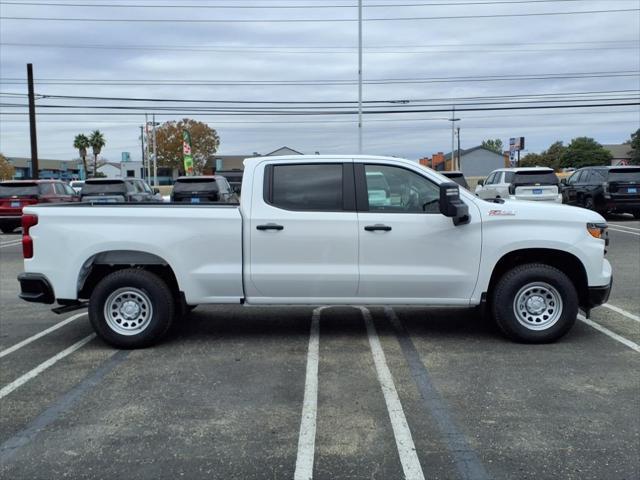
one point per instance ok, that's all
(46, 189)
(315, 187)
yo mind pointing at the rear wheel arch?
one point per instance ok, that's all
(566, 262)
(104, 263)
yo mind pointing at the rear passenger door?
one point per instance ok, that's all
(303, 233)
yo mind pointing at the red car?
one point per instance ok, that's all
(15, 194)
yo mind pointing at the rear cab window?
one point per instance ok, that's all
(195, 185)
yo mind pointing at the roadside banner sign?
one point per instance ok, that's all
(516, 144)
(186, 152)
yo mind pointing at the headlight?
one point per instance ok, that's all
(599, 230)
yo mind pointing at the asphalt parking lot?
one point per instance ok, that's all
(332, 393)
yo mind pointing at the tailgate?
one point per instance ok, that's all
(624, 190)
(13, 206)
(537, 192)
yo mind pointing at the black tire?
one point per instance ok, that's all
(8, 228)
(531, 282)
(147, 292)
(636, 214)
(589, 203)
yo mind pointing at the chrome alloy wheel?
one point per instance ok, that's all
(128, 311)
(537, 306)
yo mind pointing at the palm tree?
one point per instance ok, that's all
(81, 142)
(97, 141)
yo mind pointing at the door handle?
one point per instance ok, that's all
(377, 226)
(270, 226)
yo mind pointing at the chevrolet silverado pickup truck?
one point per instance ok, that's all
(316, 230)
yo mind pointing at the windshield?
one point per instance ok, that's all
(534, 178)
(196, 185)
(624, 175)
(18, 189)
(109, 187)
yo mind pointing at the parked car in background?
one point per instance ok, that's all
(76, 185)
(234, 177)
(457, 177)
(203, 189)
(604, 189)
(534, 183)
(116, 190)
(16, 194)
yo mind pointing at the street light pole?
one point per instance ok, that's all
(360, 77)
(155, 154)
(142, 146)
(458, 165)
(453, 121)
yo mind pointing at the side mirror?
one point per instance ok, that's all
(481, 181)
(451, 205)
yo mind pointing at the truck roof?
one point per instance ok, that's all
(298, 158)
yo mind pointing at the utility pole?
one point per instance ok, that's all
(147, 153)
(360, 77)
(35, 167)
(142, 146)
(458, 164)
(453, 121)
(155, 154)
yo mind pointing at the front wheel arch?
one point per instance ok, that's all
(566, 262)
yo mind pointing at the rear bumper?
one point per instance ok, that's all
(34, 287)
(623, 205)
(598, 295)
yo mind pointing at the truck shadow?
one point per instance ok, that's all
(236, 322)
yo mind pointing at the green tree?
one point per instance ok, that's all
(97, 142)
(204, 143)
(6, 169)
(532, 160)
(81, 142)
(635, 147)
(585, 152)
(494, 145)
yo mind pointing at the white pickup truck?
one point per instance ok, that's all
(317, 230)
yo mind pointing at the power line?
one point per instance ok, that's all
(462, 49)
(300, 7)
(329, 82)
(313, 20)
(353, 112)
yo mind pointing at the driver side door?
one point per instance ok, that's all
(408, 251)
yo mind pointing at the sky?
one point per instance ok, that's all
(500, 54)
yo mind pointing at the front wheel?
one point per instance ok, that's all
(535, 303)
(131, 308)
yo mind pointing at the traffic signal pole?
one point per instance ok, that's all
(35, 167)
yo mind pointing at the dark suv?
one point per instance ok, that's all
(202, 189)
(116, 190)
(16, 194)
(604, 189)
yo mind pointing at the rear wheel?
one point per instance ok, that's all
(636, 214)
(589, 203)
(131, 308)
(535, 303)
(8, 228)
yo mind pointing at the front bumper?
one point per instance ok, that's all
(598, 295)
(34, 287)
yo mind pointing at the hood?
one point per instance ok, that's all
(536, 211)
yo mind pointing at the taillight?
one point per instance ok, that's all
(28, 221)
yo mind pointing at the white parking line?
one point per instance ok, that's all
(625, 231)
(621, 312)
(307, 436)
(6, 390)
(10, 244)
(625, 226)
(606, 331)
(35, 337)
(401, 431)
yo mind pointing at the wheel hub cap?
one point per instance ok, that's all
(128, 311)
(537, 306)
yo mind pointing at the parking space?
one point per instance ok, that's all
(239, 392)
